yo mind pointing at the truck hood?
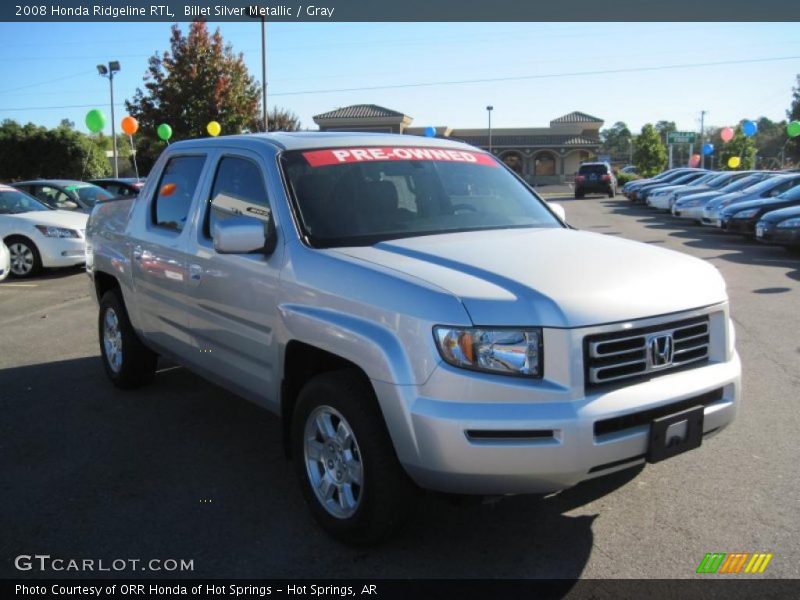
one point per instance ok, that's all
(551, 277)
(56, 218)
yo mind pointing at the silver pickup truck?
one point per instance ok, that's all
(414, 313)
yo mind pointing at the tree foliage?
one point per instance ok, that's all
(199, 79)
(615, 141)
(282, 119)
(742, 146)
(30, 151)
(649, 153)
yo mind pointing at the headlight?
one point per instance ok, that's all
(503, 351)
(745, 214)
(793, 223)
(56, 232)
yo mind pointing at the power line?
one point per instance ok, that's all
(484, 80)
(51, 80)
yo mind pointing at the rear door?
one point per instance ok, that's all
(233, 297)
(158, 254)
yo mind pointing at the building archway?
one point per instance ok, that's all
(544, 164)
(513, 161)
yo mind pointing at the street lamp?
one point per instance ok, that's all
(108, 71)
(489, 110)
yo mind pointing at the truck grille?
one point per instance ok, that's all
(644, 352)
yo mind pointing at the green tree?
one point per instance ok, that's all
(616, 141)
(664, 128)
(649, 153)
(742, 146)
(199, 79)
(769, 140)
(31, 151)
(282, 119)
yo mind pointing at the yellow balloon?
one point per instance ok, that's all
(213, 128)
(734, 162)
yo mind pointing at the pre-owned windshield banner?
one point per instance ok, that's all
(337, 156)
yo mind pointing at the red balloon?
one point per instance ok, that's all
(726, 134)
(130, 125)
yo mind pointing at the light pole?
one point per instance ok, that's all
(255, 14)
(108, 71)
(489, 110)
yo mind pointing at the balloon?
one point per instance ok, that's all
(213, 128)
(708, 149)
(793, 128)
(734, 162)
(430, 132)
(95, 120)
(130, 125)
(749, 128)
(168, 189)
(695, 160)
(726, 134)
(164, 131)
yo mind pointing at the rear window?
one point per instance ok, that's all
(361, 196)
(593, 169)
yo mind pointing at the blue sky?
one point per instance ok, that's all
(53, 65)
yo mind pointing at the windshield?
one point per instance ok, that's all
(792, 194)
(742, 183)
(14, 202)
(704, 179)
(686, 178)
(88, 193)
(361, 196)
(720, 180)
(764, 186)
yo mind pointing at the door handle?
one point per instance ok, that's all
(195, 272)
(137, 253)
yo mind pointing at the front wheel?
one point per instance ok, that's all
(25, 258)
(345, 462)
(127, 362)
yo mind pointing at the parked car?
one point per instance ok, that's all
(631, 169)
(691, 206)
(742, 217)
(780, 227)
(120, 187)
(356, 287)
(38, 236)
(659, 198)
(5, 260)
(64, 194)
(632, 188)
(720, 180)
(769, 188)
(595, 178)
(644, 192)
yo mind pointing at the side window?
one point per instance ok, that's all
(238, 190)
(51, 196)
(175, 191)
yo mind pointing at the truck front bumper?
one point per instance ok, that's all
(472, 447)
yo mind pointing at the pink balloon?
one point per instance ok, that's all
(726, 134)
(695, 160)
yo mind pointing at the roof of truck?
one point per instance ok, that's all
(302, 140)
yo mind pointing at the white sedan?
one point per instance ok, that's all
(38, 236)
(5, 261)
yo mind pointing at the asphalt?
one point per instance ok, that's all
(185, 470)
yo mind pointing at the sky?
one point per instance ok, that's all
(631, 72)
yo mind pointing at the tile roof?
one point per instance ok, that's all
(526, 140)
(359, 111)
(576, 117)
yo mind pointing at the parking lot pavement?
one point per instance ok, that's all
(182, 469)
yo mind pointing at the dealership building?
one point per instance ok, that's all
(541, 155)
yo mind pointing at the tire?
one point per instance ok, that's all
(612, 192)
(25, 258)
(355, 513)
(127, 361)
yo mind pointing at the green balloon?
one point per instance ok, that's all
(793, 128)
(164, 131)
(95, 120)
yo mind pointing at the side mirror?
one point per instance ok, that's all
(559, 210)
(244, 235)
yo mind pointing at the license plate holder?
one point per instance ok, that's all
(674, 434)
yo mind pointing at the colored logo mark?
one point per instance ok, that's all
(736, 562)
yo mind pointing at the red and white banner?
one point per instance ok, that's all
(338, 156)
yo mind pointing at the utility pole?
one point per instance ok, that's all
(108, 71)
(489, 110)
(702, 138)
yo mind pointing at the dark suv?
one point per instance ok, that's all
(595, 178)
